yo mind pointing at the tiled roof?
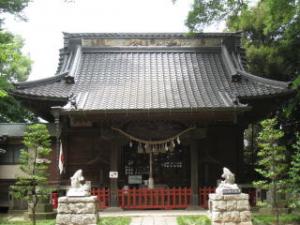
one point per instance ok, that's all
(18, 129)
(152, 78)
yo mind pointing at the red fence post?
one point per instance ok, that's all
(203, 194)
(102, 196)
(54, 200)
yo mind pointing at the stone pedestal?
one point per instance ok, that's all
(231, 209)
(77, 211)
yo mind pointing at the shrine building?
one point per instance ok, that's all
(155, 114)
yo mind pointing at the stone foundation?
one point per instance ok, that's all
(231, 209)
(77, 211)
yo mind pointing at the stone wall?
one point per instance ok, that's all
(77, 211)
(230, 209)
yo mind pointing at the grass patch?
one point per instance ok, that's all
(193, 220)
(257, 219)
(114, 221)
(102, 221)
(269, 219)
(4, 221)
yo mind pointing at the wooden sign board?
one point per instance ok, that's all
(135, 179)
(113, 174)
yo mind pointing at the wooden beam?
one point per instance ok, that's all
(194, 173)
(114, 167)
(239, 153)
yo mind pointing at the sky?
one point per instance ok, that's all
(47, 19)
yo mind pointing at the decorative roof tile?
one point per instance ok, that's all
(70, 36)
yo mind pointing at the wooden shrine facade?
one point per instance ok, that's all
(168, 108)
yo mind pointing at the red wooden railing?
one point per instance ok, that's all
(157, 198)
(102, 195)
(203, 196)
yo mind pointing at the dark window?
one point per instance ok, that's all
(12, 154)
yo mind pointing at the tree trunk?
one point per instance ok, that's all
(32, 212)
(275, 203)
(33, 216)
(34, 204)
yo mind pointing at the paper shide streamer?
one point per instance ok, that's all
(156, 147)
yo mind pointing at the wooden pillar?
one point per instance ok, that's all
(194, 174)
(239, 153)
(55, 111)
(114, 156)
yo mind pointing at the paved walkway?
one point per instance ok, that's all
(139, 217)
(145, 213)
(154, 220)
(153, 217)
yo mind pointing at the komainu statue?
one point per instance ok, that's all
(77, 188)
(228, 176)
(228, 185)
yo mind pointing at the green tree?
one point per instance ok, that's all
(271, 36)
(271, 32)
(272, 164)
(32, 185)
(14, 66)
(294, 173)
(13, 7)
(207, 12)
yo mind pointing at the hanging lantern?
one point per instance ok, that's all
(130, 144)
(178, 140)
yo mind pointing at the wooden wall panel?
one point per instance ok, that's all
(221, 148)
(89, 153)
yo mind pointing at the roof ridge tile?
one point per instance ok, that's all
(34, 83)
